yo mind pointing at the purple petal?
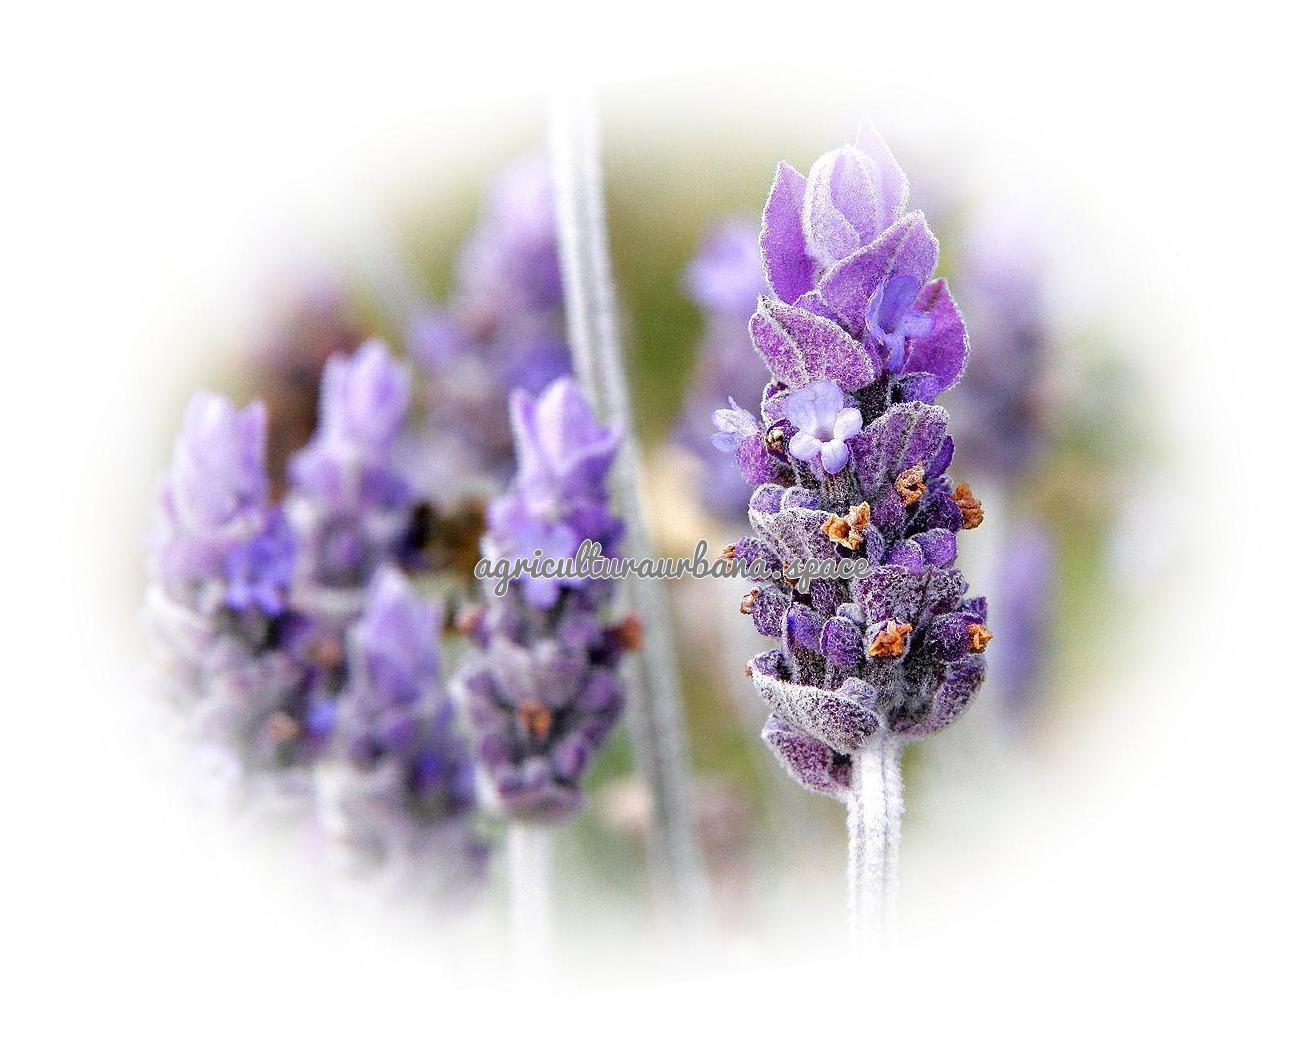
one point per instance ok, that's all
(938, 547)
(835, 456)
(943, 352)
(786, 259)
(908, 247)
(811, 763)
(757, 463)
(804, 447)
(799, 347)
(843, 719)
(849, 423)
(842, 643)
(889, 179)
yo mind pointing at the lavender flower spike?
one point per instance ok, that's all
(400, 799)
(350, 504)
(221, 562)
(541, 691)
(850, 461)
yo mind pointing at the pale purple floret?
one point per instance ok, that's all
(850, 461)
(892, 320)
(541, 690)
(734, 425)
(824, 423)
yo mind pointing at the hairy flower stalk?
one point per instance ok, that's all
(657, 716)
(849, 460)
(541, 689)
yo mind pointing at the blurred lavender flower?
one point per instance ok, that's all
(541, 690)
(1022, 607)
(220, 563)
(725, 279)
(504, 327)
(293, 637)
(401, 797)
(1000, 408)
(850, 461)
(350, 506)
(1001, 412)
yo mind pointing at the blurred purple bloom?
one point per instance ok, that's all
(1022, 609)
(1000, 407)
(407, 796)
(504, 327)
(221, 563)
(351, 505)
(540, 691)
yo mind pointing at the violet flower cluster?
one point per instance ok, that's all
(541, 688)
(849, 459)
(504, 327)
(725, 280)
(281, 624)
(1000, 409)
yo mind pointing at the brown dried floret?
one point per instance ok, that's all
(849, 530)
(535, 717)
(729, 552)
(747, 602)
(468, 620)
(890, 639)
(629, 633)
(283, 727)
(910, 485)
(969, 506)
(775, 440)
(979, 636)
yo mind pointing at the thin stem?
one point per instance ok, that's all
(876, 804)
(529, 883)
(656, 712)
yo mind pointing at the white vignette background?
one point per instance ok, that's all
(1147, 891)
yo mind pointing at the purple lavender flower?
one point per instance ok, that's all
(541, 691)
(824, 424)
(850, 461)
(403, 797)
(725, 280)
(350, 505)
(1000, 409)
(221, 563)
(504, 327)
